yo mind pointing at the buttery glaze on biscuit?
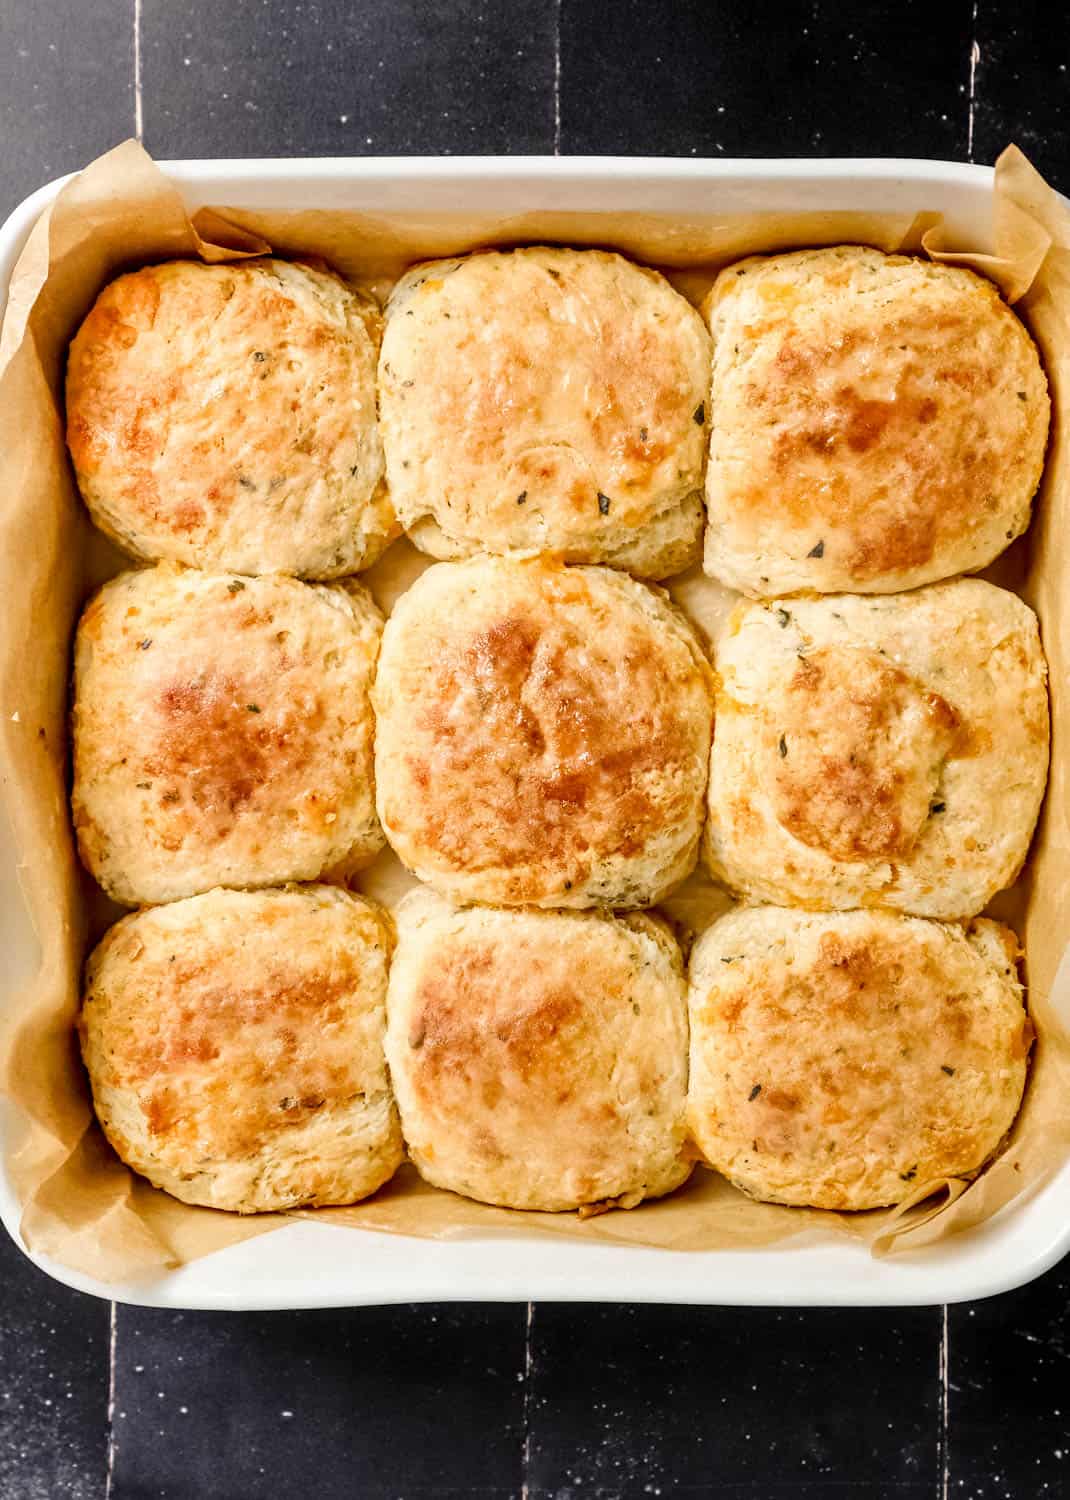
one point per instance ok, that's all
(879, 422)
(224, 416)
(542, 734)
(539, 1058)
(846, 1060)
(546, 400)
(222, 732)
(878, 751)
(234, 1043)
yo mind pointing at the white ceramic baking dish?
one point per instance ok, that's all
(313, 1265)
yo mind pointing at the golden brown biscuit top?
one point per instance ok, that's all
(212, 738)
(870, 412)
(564, 385)
(470, 1017)
(253, 1034)
(837, 1060)
(544, 1034)
(863, 994)
(225, 415)
(878, 748)
(857, 745)
(227, 1034)
(548, 718)
(214, 702)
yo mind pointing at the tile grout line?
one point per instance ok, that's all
(557, 77)
(138, 118)
(943, 1431)
(110, 1469)
(975, 58)
(526, 1453)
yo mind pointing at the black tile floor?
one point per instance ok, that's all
(549, 1402)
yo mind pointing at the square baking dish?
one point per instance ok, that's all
(314, 1265)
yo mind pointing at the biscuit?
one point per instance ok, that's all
(878, 750)
(222, 732)
(879, 422)
(224, 416)
(234, 1044)
(542, 735)
(845, 1060)
(539, 1058)
(546, 400)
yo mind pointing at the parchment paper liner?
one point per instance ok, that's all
(81, 1205)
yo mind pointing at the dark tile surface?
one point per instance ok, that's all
(765, 78)
(336, 79)
(1009, 1393)
(562, 1402)
(66, 88)
(733, 1402)
(425, 1402)
(1021, 84)
(53, 1385)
